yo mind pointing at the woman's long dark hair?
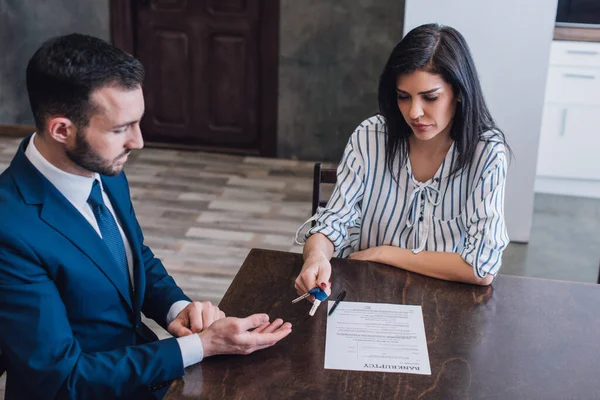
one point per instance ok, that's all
(439, 50)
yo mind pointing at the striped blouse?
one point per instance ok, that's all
(461, 213)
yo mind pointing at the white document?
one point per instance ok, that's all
(376, 337)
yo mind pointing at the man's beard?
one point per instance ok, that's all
(84, 156)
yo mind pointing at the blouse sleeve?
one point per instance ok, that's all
(486, 236)
(342, 210)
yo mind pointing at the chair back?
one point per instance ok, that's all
(321, 176)
(2, 364)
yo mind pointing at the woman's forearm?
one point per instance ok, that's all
(318, 244)
(441, 265)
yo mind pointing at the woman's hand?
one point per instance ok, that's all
(316, 271)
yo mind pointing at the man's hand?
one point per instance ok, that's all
(194, 318)
(243, 335)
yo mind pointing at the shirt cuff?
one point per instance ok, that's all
(176, 309)
(191, 348)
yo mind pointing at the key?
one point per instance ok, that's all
(319, 297)
(305, 295)
(311, 292)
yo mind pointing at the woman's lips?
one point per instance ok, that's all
(421, 127)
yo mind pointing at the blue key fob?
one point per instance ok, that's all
(314, 291)
(321, 295)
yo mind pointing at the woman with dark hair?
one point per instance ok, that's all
(421, 185)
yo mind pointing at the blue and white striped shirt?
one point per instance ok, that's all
(461, 213)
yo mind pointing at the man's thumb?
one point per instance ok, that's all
(178, 330)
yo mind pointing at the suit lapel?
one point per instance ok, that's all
(68, 221)
(60, 214)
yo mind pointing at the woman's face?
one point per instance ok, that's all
(427, 103)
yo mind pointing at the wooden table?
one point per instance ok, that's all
(521, 338)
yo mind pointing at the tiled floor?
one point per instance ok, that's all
(201, 213)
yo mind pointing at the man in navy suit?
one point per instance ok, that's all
(75, 274)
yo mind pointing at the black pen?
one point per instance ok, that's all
(339, 298)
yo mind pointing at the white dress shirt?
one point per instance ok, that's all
(76, 189)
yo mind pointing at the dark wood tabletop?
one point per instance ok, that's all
(521, 338)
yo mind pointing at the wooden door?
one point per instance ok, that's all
(211, 70)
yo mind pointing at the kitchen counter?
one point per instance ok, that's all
(577, 34)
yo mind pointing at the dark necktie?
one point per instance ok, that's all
(109, 229)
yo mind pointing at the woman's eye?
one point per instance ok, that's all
(431, 98)
(402, 97)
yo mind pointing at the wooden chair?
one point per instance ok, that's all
(321, 176)
(2, 364)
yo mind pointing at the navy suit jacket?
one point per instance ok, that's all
(68, 329)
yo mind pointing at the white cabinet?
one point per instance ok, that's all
(570, 142)
(573, 85)
(580, 54)
(570, 134)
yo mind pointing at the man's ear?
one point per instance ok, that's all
(61, 129)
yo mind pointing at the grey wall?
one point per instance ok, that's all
(24, 25)
(331, 55)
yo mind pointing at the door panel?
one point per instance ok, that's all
(226, 81)
(227, 6)
(168, 5)
(171, 105)
(206, 62)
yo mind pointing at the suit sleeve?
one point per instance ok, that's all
(37, 340)
(161, 291)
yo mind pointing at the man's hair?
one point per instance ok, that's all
(65, 70)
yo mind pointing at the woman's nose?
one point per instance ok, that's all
(416, 111)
